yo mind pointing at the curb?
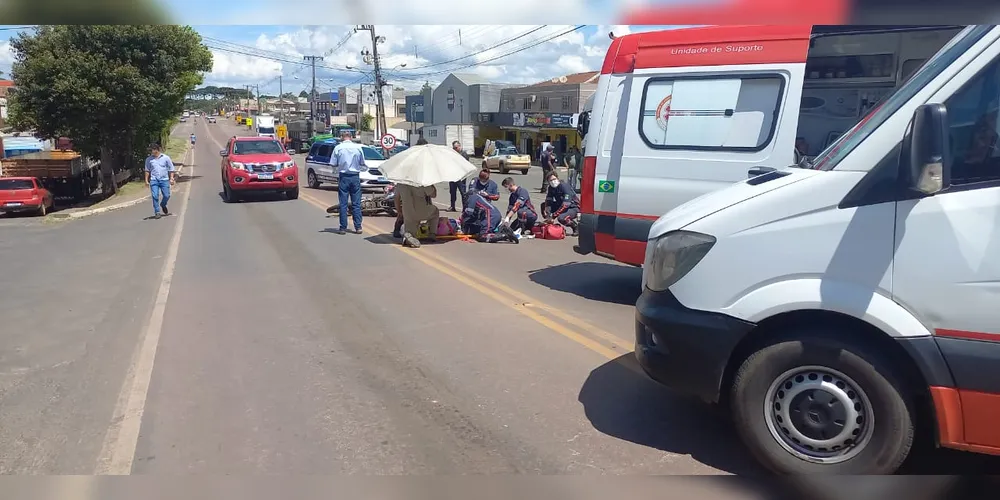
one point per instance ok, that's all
(95, 211)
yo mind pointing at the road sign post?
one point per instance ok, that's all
(388, 142)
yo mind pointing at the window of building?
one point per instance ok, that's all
(567, 101)
(545, 103)
(717, 113)
(972, 120)
(526, 104)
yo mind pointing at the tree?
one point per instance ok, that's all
(366, 123)
(90, 12)
(426, 87)
(109, 88)
(303, 94)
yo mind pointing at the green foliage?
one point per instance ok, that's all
(109, 88)
(426, 87)
(77, 12)
(366, 123)
(303, 94)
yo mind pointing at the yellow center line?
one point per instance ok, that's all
(513, 299)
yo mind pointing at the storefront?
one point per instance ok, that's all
(528, 131)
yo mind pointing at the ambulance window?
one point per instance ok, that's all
(714, 114)
(972, 123)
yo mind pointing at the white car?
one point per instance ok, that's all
(319, 170)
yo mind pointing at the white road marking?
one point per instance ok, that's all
(118, 451)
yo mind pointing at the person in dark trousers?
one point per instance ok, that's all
(561, 203)
(457, 187)
(574, 163)
(483, 221)
(548, 166)
(349, 160)
(485, 187)
(519, 206)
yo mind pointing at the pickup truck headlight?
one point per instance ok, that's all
(671, 256)
(287, 164)
(237, 165)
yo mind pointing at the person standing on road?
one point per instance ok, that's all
(160, 175)
(457, 187)
(192, 139)
(548, 166)
(349, 160)
(574, 162)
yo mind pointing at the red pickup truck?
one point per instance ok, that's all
(257, 164)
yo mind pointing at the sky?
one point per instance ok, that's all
(258, 54)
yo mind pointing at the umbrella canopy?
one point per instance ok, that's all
(427, 165)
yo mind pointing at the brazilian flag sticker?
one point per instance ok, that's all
(606, 186)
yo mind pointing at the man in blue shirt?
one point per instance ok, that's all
(485, 187)
(349, 160)
(160, 175)
(519, 206)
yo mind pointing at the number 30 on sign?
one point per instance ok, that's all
(388, 141)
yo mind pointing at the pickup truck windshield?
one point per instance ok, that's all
(834, 153)
(257, 148)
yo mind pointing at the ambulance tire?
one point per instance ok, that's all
(828, 365)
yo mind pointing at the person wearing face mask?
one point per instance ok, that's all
(561, 203)
(485, 187)
(519, 207)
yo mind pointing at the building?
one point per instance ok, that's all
(542, 112)
(414, 112)
(460, 99)
(5, 88)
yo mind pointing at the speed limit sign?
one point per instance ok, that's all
(388, 141)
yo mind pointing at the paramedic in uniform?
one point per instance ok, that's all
(520, 206)
(482, 220)
(485, 187)
(561, 203)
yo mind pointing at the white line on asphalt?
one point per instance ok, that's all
(118, 451)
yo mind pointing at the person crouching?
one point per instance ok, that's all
(417, 206)
(482, 220)
(561, 203)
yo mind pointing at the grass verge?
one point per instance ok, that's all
(175, 148)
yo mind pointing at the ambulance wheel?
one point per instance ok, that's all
(819, 402)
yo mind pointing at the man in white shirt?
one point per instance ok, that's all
(349, 160)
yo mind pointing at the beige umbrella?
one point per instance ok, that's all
(427, 165)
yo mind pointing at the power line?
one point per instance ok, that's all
(487, 49)
(501, 56)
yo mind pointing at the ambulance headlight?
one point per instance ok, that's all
(673, 255)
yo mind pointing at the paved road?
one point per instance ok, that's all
(249, 338)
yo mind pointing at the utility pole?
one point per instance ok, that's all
(281, 101)
(312, 95)
(372, 58)
(249, 96)
(257, 88)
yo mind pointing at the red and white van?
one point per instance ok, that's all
(680, 113)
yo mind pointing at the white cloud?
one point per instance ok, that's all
(6, 56)
(429, 52)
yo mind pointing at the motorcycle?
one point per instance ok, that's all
(374, 204)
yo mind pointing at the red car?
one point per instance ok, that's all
(259, 165)
(24, 194)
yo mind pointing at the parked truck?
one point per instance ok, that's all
(66, 174)
(266, 126)
(298, 133)
(447, 134)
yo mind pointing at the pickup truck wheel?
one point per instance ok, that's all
(818, 401)
(503, 168)
(228, 195)
(311, 179)
(292, 194)
(524, 171)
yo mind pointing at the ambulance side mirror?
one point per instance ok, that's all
(930, 150)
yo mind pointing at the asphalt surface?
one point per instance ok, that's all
(250, 338)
